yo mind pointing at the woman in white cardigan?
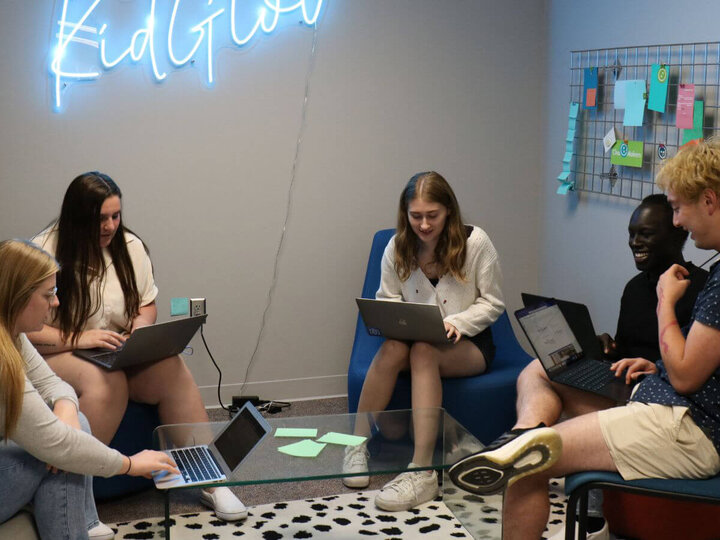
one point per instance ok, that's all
(434, 258)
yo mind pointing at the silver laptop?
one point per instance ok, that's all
(146, 344)
(406, 321)
(562, 356)
(215, 462)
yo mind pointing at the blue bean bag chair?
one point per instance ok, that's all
(483, 404)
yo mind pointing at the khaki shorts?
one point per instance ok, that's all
(647, 440)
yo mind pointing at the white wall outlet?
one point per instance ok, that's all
(197, 307)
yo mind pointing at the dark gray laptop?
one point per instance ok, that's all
(406, 321)
(562, 355)
(146, 344)
(216, 461)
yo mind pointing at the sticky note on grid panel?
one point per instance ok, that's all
(658, 88)
(590, 88)
(697, 131)
(634, 103)
(685, 106)
(628, 153)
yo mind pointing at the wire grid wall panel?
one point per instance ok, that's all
(696, 63)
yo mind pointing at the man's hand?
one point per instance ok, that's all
(672, 284)
(633, 368)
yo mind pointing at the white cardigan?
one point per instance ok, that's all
(470, 306)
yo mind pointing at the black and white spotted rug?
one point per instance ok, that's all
(347, 516)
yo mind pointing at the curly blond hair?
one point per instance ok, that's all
(693, 170)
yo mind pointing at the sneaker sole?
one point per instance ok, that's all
(491, 472)
(237, 516)
(356, 481)
(395, 506)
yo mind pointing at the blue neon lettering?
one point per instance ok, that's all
(142, 42)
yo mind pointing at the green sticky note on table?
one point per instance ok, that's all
(342, 438)
(306, 448)
(179, 306)
(296, 432)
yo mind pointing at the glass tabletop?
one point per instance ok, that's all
(391, 438)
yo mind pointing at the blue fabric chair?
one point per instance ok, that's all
(133, 435)
(578, 485)
(484, 404)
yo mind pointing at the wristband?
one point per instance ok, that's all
(129, 465)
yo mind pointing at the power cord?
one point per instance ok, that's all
(202, 335)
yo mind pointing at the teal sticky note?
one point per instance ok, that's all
(296, 432)
(566, 166)
(563, 176)
(341, 438)
(658, 88)
(574, 108)
(564, 188)
(634, 103)
(567, 157)
(179, 306)
(306, 448)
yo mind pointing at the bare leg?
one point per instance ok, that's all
(168, 384)
(540, 400)
(527, 506)
(390, 360)
(428, 363)
(103, 394)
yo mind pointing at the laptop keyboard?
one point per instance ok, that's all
(106, 359)
(590, 374)
(196, 464)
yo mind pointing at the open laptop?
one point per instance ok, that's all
(217, 461)
(405, 321)
(578, 317)
(562, 355)
(146, 344)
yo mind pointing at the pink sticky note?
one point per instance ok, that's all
(685, 102)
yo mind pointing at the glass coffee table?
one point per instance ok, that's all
(390, 443)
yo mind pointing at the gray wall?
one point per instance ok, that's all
(397, 86)
(584, 238)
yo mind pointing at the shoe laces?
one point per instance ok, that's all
(357, 456)
(405, 483)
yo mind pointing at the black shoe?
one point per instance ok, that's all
(491, 471)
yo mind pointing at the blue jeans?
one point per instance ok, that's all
(63, 503)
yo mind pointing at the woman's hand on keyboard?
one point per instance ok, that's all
(148, 461)
(633, 368)
(90, 339)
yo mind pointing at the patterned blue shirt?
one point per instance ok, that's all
(704, 404)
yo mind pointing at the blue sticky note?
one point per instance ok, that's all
(564, 188)
(563, 176)
(179, 306)
(634, 103)
(566, 166)
(567, 157)
(574, 108)
(619, 95)
(658, 88)
(590, 88)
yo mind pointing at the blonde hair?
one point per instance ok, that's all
(23, 267)
(694, 169)
(451, 247)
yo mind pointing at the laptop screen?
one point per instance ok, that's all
(239, 438)
(550, 335)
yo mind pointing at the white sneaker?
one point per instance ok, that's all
(602, 534)
(226, 505)
(355, 461)
(408, 490)
(101, 532)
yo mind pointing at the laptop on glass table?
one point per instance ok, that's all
(563, 357)
(215, 462)
(406, 321)
(146, 344)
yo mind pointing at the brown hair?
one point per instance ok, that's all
(451, 247)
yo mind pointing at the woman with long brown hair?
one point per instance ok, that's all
(107, 290)
(44, 456)
(434, 258)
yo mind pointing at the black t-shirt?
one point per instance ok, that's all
(637, 330)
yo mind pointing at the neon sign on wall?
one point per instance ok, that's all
(170, 34)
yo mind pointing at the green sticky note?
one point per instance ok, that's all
(179, 306)
(697, 131)
(628, 153)
(296, 432)
(306, 448)
(341, 438)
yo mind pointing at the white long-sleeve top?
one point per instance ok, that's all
(43, 435)
(470, 306)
